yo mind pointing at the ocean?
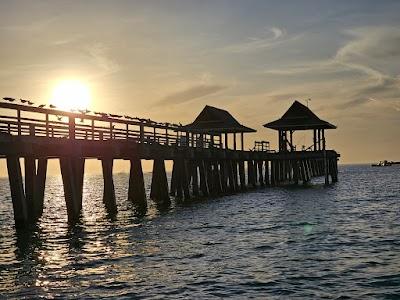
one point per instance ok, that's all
(306, 242)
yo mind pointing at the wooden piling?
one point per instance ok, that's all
(159, 184)
(137, 191)
(20, 206)
(72, 169)
(109, 199)
(203, 179)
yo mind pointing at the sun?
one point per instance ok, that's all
(71, 94)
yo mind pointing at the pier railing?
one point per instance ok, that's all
(23, 120)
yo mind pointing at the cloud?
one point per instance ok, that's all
(272, 37)
(191, 93)
(99, 54)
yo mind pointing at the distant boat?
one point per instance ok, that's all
(384, 163)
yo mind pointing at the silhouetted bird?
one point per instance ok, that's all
(42, 105)
(23, 100)
(30, 103)
(115, 116)
(97, 113)
(9, 99)
(59, 118)
(52, 106)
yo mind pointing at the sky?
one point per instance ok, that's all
(166, 59)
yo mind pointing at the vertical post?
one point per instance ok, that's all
(242, 140)
(137, 192)
(242, 176)
(40, 183)
(159, 184)
(203, 179)
(315, 139)
(92, 125)
(20, 206)
(47, 125)
(111, 131)
(267, 182)
(109, 190)
(226, 140)
(195, 179)
(291, 140)
(166, 136)
(72, 169)
(326, 166)
(127, 130)
(260, 172)
(234, 141)
(71, 128)
(19, 121)
(141, 132)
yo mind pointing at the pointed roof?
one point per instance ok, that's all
(216, 120)
(299, 117)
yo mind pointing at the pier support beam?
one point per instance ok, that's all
(242, 176)
(20, 205)
(159, 184)
(203, 179)
(137, 192)
(72, 169)
(109, 190)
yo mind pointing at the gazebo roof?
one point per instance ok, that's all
(214, 120)
(299, 117)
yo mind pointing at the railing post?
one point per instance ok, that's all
(92, 129)
(166, 136)
(47, 125)
(19, 121)
(127, 130)
(111, 130)
(72, 128)
(141, 132)
(32, 129)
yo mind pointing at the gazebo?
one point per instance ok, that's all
(216, 123)
(299, 117)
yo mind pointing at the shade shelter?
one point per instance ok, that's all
(300, 117)
(216, 123)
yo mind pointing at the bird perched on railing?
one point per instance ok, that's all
(42, 105)
(59, 118)
(52, 106)
(9, 99)
(115, 116)
(30, 103)
(129, 118)
(23, 100)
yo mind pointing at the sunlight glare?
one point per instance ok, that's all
(71, 94)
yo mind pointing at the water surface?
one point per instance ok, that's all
(335, 242)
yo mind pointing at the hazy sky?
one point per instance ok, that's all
(167, 59)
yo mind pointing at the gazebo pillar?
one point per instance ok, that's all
(234, 141)
(226, 140)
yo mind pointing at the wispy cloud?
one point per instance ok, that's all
(191, 93)
(271, 38)
(99, 55)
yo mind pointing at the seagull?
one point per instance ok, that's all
(9, 99)
(23, 100)
(115, 116)
(42, 105)
(52, 106)
(59, 118)
(30, 103)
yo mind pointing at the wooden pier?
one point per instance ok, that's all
(206, 158)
